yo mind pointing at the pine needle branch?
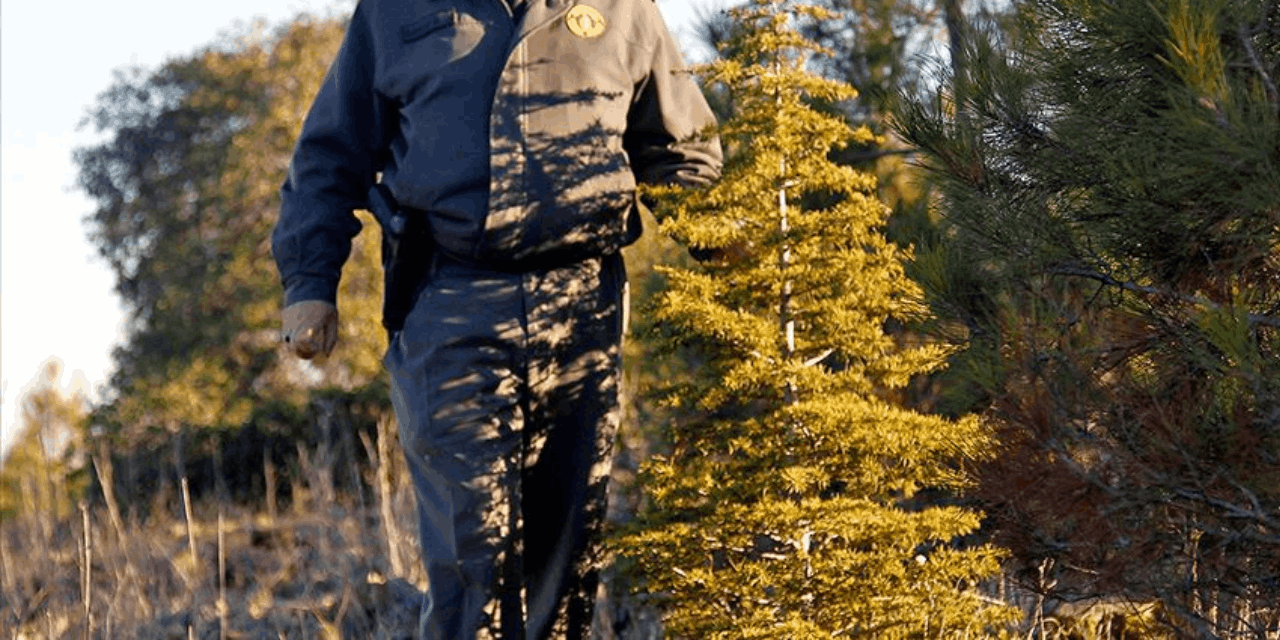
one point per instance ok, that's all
(1273, 96)
(1253, 318)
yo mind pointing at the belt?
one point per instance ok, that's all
(554, 260)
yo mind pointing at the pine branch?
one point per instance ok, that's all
(1253, 318)
(1273, 96)
(819, 358)
(1234, 511)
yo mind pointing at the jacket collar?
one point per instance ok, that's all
(540, 12)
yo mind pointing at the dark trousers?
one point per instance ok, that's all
(505, 386)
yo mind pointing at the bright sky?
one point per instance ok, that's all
(56, 296)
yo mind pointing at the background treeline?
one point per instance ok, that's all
(1088, 195)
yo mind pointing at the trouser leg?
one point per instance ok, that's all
(457, 378)
(575, 330)
(505, 387)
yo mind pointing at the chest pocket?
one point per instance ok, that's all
(440, 39)
(598, 48)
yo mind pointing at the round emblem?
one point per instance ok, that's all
(585, 22)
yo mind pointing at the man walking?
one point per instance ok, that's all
(499, 142)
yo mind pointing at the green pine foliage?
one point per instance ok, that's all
(1107, 179)
(785, 506)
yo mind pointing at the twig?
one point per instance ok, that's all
(195, 559)
(104, 467)
(381, 459)
(105, 470)
(87, 588)
(191, 531)
(1253, 318)
(1231, 510)
(819, 358)
(1272, 95)
(222, 578)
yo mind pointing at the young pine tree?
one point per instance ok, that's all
(1108, 182)
(785, 507)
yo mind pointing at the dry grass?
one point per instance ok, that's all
(334, 564)
(341, 561)
(318, 571)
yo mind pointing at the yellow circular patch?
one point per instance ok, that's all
(585, 22)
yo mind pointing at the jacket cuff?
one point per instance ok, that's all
(311, 289)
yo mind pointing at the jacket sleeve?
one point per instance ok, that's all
(667, 111)
(343, 143)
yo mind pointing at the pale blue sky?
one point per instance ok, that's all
(56, 296)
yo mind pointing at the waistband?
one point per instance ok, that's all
(443, 257)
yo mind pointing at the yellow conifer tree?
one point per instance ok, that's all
(785, 507)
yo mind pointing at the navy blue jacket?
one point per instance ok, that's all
(518, 139)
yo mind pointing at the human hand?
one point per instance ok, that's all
(309, 328)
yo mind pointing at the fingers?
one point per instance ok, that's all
(305, 344)
(310, 328)
(308, 342)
